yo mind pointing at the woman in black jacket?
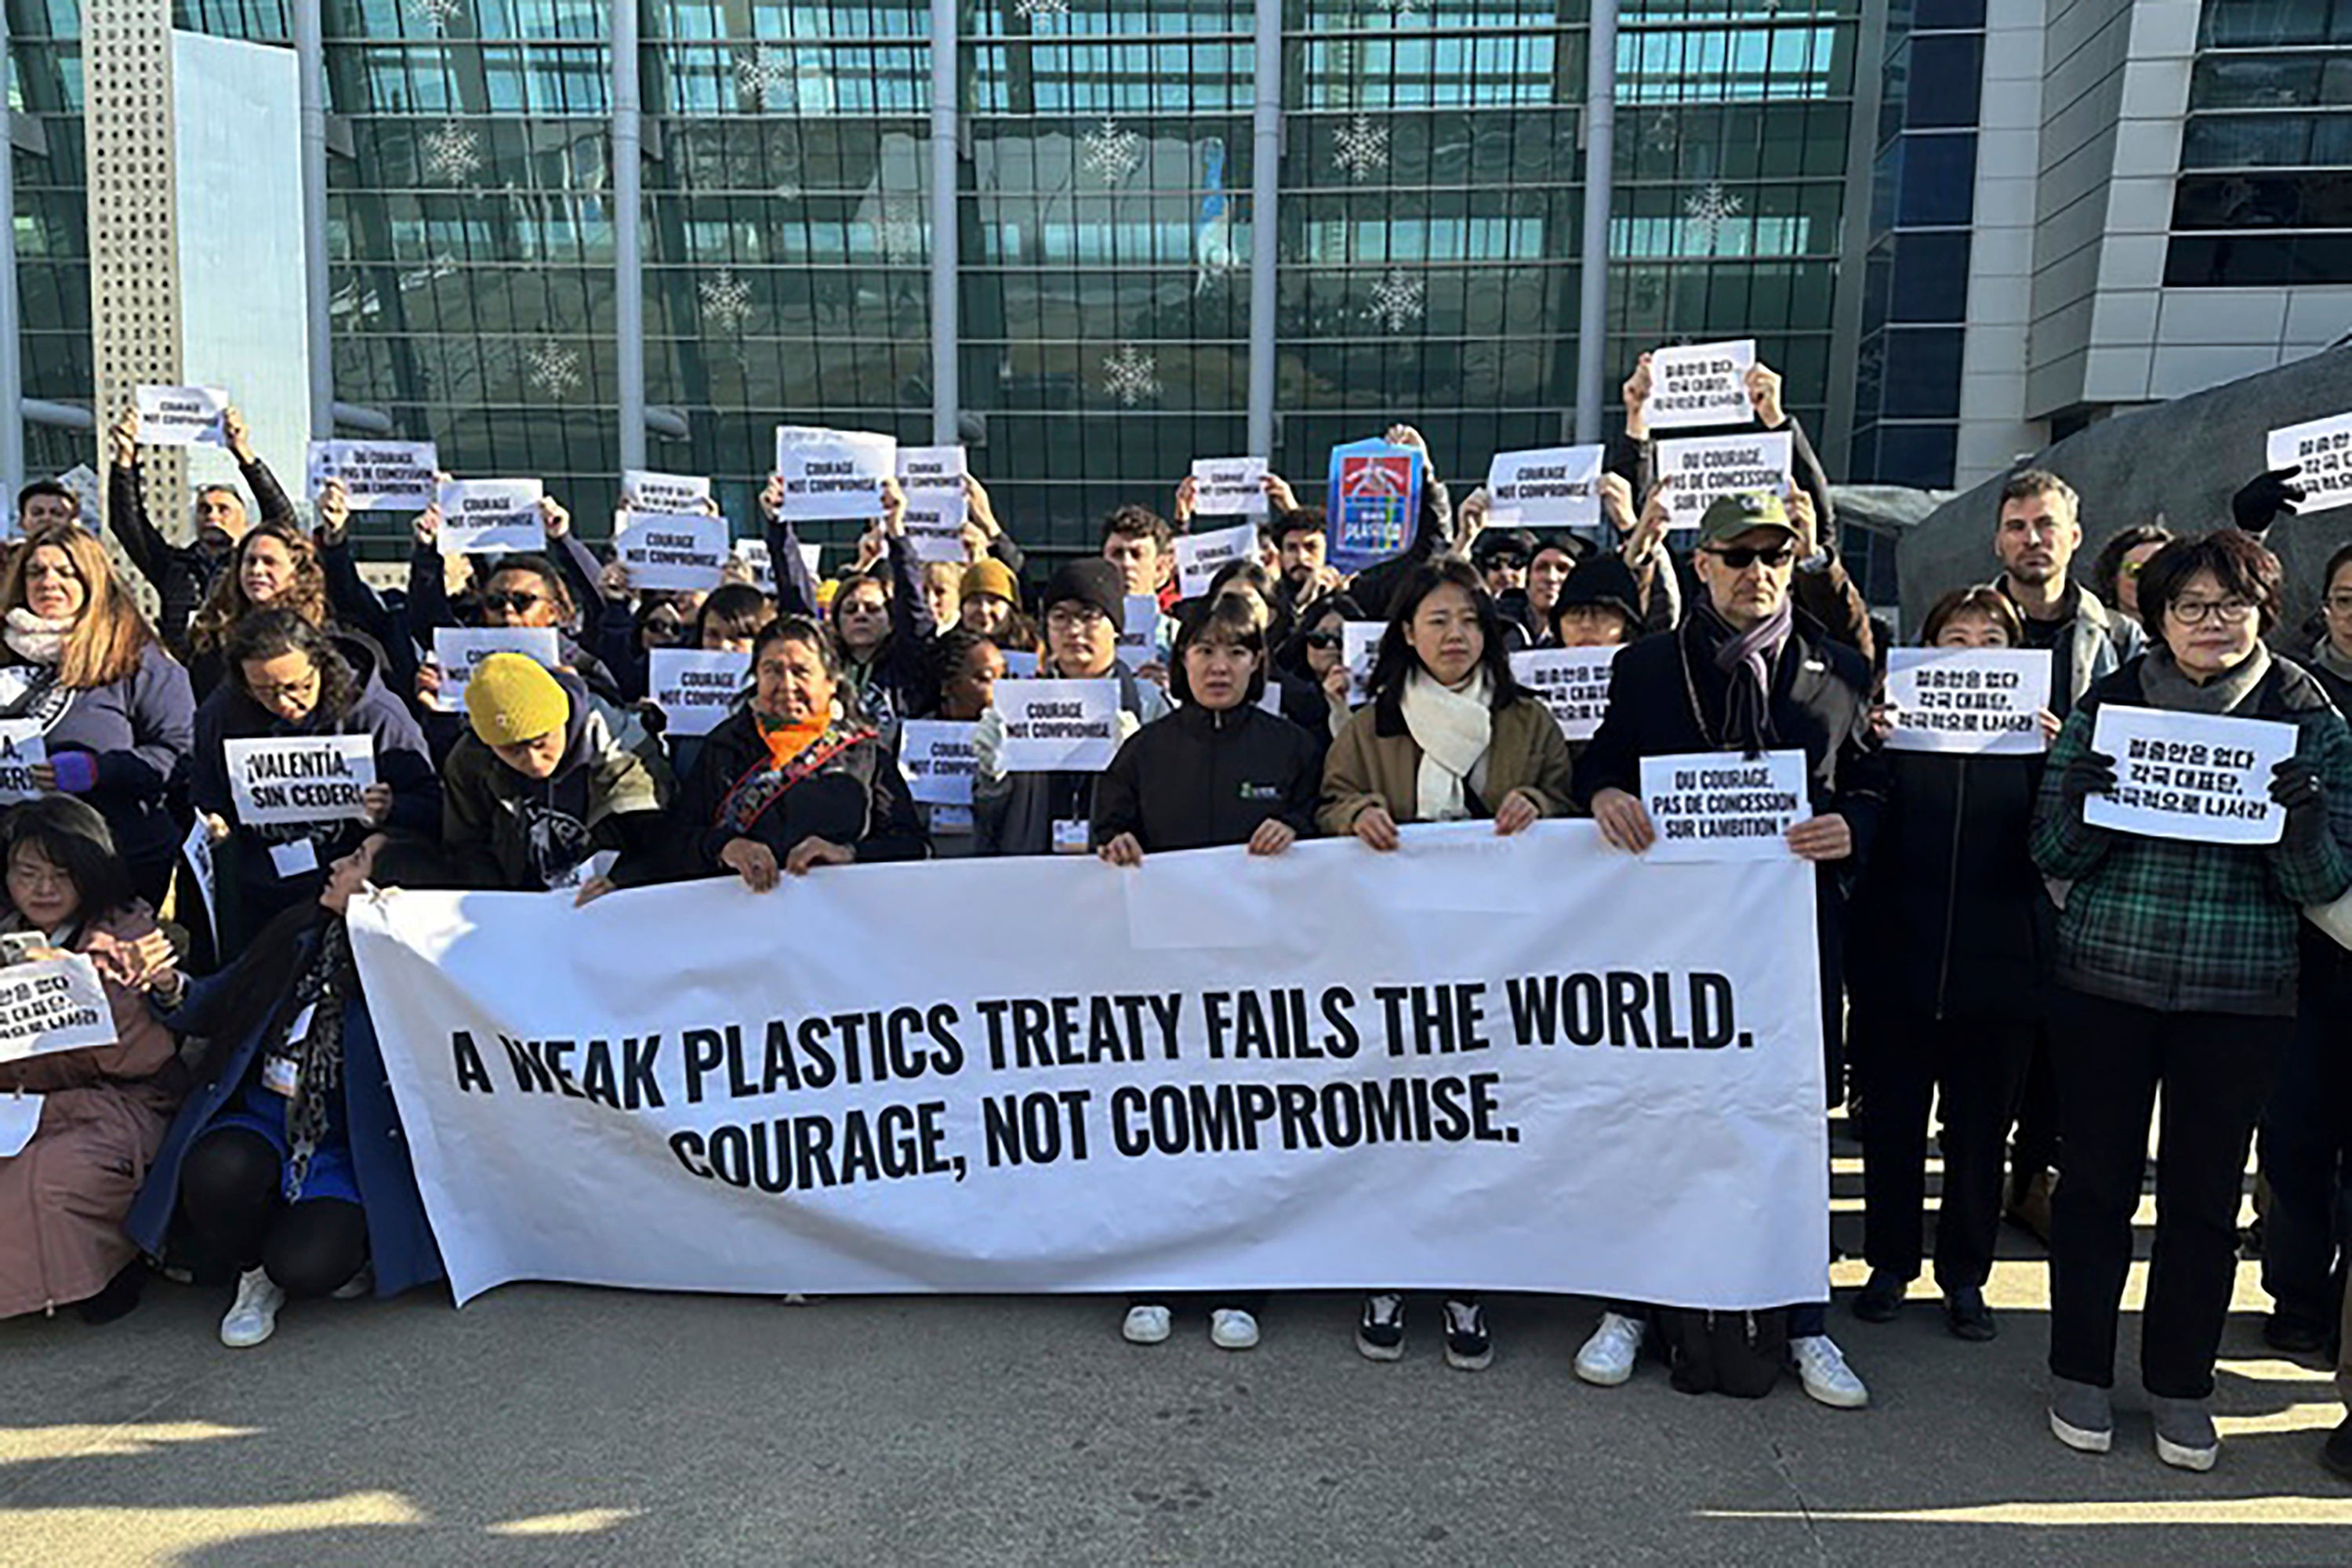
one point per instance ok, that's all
(1219, 770)
(1949, 933)
(796, 777)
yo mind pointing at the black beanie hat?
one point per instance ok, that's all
(1605, 582)
(1089, 580)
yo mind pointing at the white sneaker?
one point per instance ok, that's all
(1826, 1377)
(357, 1286)
(1607, 1358)
(253, 1316)
(1145, 1325)
(1231, 1329)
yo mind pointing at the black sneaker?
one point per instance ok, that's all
(1467, 1346)
(1879, 1300)
(1381, 1334)
(1966, 1314)
(2335, 1454)
(2294, 1335)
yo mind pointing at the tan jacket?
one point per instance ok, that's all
(1377, 763)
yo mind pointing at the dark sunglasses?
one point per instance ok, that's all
(1506, 562)
(666, 630)
(1741, 557)
(1325, 639)
(512, 604)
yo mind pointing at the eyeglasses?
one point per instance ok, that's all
(2340, 603)
(1325, 639)
(304, 687)
(511, 603)
(1074, 618)
(2197, 612)
(1741, 557)
(666, 630)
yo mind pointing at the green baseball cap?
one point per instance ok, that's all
(1729, 517)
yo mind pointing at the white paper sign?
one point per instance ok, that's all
(671, 552)
(1573, 682)
(1359, 649)
(935, 756)
(932, 478)
(644, 490)
(1706, 467)
(1554, 486)
(196, 853)
(300, 778)
(1229, 487)
(1199, 555)
(1138, 638)
(1967, 699)
(23, 748)
(832, 474)
(182, 415)
(2324, 449)
(1720, 806)
(752, 553)
(20, 1117)
(2189, 776)
(695, 689)
(457, 649)
(378, 476)
(1019, 664)
(1705, 384)
(53, 1004)
(1058, 726)
(491, 517)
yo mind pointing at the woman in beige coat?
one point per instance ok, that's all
(1448, 736)
(95, 1114)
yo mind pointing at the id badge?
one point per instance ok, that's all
(281, 1076)
(295, 859)
(1070, 837)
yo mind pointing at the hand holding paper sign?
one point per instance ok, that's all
(2262, 498)
(2295, 785)
(123, 438)
(238, 435)
(1764, 392)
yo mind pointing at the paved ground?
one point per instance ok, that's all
(546, 1425)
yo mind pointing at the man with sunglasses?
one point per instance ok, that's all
(1748, 672)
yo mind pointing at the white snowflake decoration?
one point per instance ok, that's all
(1131, 375)
(1400, 9)
(1033, 9)
(1363, 148)
(1398, 300)
(553, 369)
(433, 13)
(726, 301)
(453, 153)
(1710, 208)
(1110, 153)
(767, 74)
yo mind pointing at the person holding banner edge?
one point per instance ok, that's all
(1746, 672)
(2177, 969)
(1449, 735)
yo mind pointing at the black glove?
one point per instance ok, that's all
(2294, 784)
(2264, 497)
(2093, 772)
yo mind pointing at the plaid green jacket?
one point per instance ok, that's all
(2185, 927)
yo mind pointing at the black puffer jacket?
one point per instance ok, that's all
(1198, 778)
(857, 798)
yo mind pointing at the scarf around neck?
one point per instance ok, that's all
(1454, 730)
(2162, 683)
(324, 986)
(37, 638)
(2324, 656)
(1746, 659)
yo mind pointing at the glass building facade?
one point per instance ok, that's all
(1428, 226)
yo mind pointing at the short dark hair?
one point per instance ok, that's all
(734, 610)
(39, 487)
(1228, 621)
(1299, 520)
(951, 647)
(1990, 602)
(72, 836)
(2107, 571)
(1397, 660)
(1247, 570)
(1138, 522)
(2336, 563)
(2027, 483)
(2239, 564)
(799, 628)
(559, 592)
(268, 634)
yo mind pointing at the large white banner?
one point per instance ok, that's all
(1475, 1063)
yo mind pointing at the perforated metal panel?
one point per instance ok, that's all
(134, 267)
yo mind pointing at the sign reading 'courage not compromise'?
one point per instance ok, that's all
(1210, 1072)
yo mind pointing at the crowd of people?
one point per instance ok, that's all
(1988, 958)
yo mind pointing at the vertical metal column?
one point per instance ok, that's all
(1265, 235)
(310, 64)
(11, 369)
(946, 318)
(1600, 171)
(628, 220)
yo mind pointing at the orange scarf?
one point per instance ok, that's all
(786, 741)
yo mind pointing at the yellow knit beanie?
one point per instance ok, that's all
(512, 700)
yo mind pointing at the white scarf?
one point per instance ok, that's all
(1454, 730)
(35, 638)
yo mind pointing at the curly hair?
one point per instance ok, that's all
(228, 604)
(268, 634)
